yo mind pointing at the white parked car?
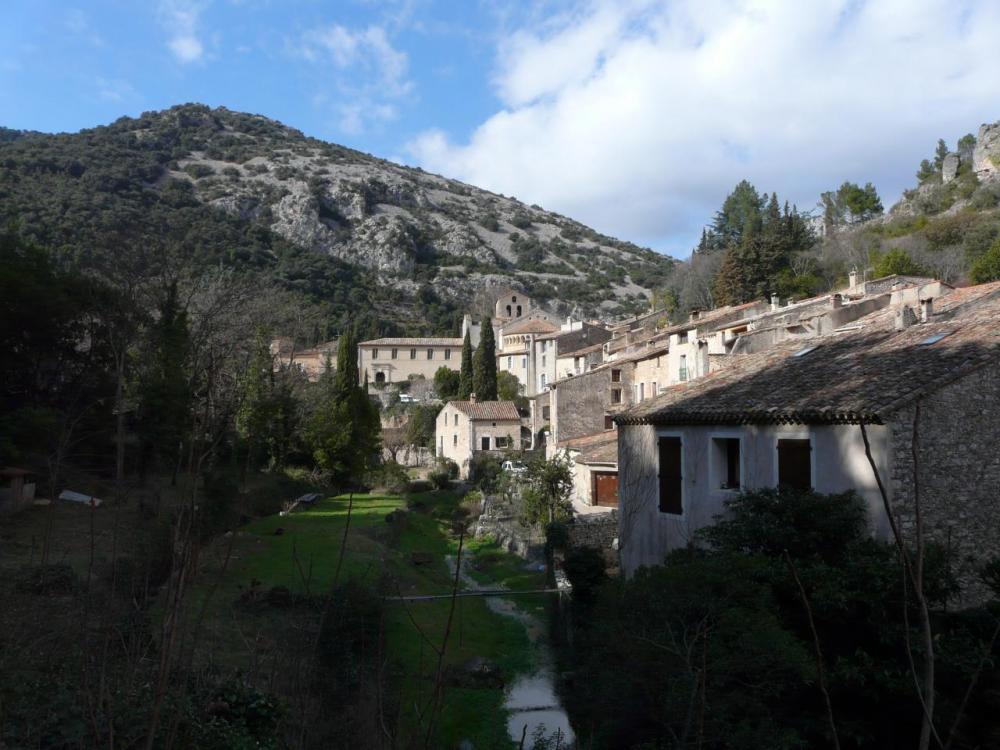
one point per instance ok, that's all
(515, 467)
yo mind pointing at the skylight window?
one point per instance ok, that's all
(804, 352)
(935, 338)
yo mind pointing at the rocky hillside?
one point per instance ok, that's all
(245, 190)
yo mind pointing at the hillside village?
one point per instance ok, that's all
(359, 456)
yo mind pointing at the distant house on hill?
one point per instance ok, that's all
(396, 360)
(467, 427)
(793, 414)
(313, 362)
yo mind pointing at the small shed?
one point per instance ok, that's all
(17, 489)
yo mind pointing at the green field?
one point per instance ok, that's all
(300, 551)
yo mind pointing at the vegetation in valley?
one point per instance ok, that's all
(788, 626)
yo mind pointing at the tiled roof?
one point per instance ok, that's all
(418, 342)
(530, 326)
(488, 411)
(862, 374)
(587, 441)
(605, 453)
(585, 350)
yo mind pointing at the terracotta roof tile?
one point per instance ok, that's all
(859, 375)
(530, 326)
(418, 342)
(488, 411)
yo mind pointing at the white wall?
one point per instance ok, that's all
(838, 464)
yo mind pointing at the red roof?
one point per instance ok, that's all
(488, 411)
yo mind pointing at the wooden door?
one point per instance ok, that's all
(606, 488)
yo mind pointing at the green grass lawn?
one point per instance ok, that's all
(303, 556)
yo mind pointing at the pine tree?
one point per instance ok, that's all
(166, 392)
(484, 365)
(466, 378)
(939, 153)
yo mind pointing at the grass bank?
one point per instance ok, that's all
(401, 554)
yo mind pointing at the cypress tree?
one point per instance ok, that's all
(465, 378)
(484, 365)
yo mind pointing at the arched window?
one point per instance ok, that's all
(380, 377)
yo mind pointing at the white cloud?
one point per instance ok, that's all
(114, 90)
(181, 20)
(639, 116)
(369, 73)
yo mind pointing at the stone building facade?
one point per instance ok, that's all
(586, 404)
(797, 413)
(466, 427)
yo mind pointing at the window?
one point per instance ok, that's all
(510, 363)
(682, 374)
(616, 395)
(653, 390)
(394, 353)
(456, 420)
(795, 463)
(616, 376)
(543, 380)
(545, 412)
(485, 442)
(524, 362)
(642, 391)
(374, 353)
(725, 465)
(609, 422)
(413, 353)
(441, 444)
(671, 481)
(447, 353)
(543, 360)
(513, 299)
(454, 439)
(502, 441)
(430, 354)
(519, 311)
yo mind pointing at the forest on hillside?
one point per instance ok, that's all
(756, 246)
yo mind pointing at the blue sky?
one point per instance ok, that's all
(633, 116)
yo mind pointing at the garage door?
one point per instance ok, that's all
(606, 488)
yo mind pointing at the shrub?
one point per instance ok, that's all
(56, 578)
(556, 535)
(979, 239)
(392, 477)
(986, 196)
(443, 472)
(586, 570)
(897, 261)
(987, 266)
(420, 485)
(490, 222)
(198, 170)
(521, 220)
(949, 230)
(485, 471)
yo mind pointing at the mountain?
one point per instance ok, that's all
(348, 230)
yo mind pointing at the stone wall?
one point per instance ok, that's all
(499, 521)
(582, 401)
(599, 530)
(959, 472)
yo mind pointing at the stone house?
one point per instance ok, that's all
(313, 362)
(594, 465)
(572, 336)
(586, 404)
(516, 350)
(397, 360)
(798, 414)
(467, 427)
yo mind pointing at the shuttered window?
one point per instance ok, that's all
(795, 464)
(670, 476)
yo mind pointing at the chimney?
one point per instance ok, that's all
(775, 301)
(695, 314)
(472, 398)
(926, 309)
(836, 301)
(905, 318)
(852, 278)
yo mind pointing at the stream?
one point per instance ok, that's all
(531, 699)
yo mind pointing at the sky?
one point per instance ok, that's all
(636, 117)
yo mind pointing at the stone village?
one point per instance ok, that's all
(662, 423)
